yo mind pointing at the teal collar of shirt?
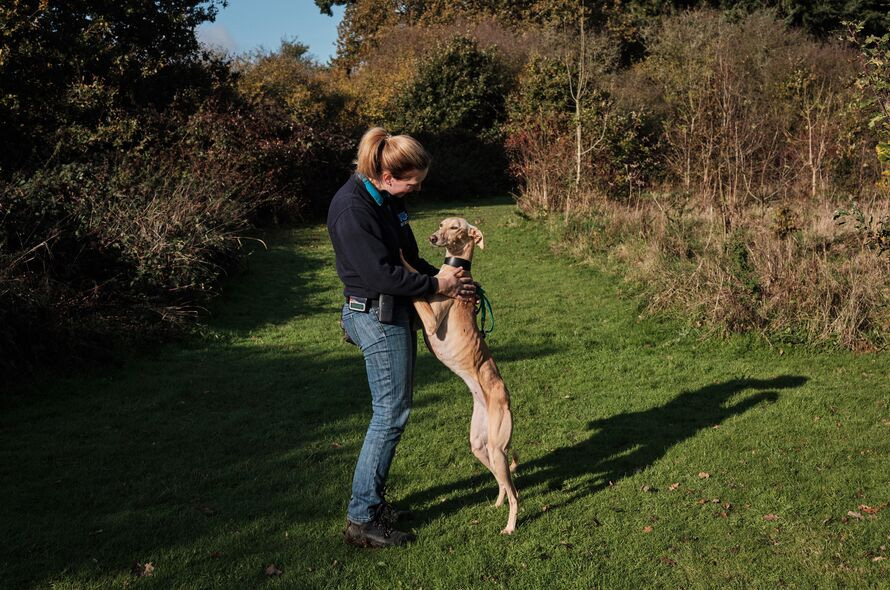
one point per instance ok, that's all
(375, 194)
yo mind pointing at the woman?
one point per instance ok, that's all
(368, 227)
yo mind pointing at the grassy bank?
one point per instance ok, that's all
(648, 457)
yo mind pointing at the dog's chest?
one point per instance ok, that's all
(456, 338)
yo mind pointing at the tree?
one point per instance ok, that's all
(73, 62)
(459, 87)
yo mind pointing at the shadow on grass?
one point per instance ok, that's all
(176, 453)
(276, 285)
(618, 446)
(182, 451)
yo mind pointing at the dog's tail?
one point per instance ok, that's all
(515, 463)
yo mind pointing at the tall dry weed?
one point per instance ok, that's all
(820, 282)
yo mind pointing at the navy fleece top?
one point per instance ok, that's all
(367, 238)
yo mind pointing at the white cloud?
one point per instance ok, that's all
(217, 36)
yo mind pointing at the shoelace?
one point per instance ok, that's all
(386, 516)
(387, 512)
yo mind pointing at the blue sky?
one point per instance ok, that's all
(249, 24)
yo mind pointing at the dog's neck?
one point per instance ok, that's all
(462, 258)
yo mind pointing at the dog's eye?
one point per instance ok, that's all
(454, 227)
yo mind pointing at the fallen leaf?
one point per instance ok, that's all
(667, 560)
(878, 558)
(868, 509)
(647, 529)
(715, 426)
(474, 521)
(673, 486)
(645, 488)
(727, 505)
(272, 570)
(715, 501)
(856, 515)
(770, 517)
(141, 570)
(336, 445)
(724, 514)
(703, 475)
(702, 501)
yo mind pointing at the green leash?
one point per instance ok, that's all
(485, 308)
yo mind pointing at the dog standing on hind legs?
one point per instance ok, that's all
(451, 334)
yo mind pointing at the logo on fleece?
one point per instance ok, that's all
(403, 218)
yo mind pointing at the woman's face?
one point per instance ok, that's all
(409, 183)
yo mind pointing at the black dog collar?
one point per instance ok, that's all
(461, 262)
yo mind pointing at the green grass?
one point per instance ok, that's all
(216, 458)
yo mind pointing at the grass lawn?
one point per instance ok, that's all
(649, 458)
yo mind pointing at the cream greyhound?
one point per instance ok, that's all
(450, 332)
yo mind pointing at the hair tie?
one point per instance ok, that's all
(378, 160)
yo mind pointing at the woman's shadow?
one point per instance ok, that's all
(618, 446)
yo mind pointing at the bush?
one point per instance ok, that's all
(69, 73)
(762, 135)
(619, 146)
(139, 240)
(752, 111)
(459, 87)
(460, 126)
(287, 80)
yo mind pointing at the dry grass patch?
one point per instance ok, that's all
(798, 272)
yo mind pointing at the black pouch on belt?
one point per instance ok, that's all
(386, 308)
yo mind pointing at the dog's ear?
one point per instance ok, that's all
(474, 233)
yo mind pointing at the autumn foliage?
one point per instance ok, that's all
(734, 161)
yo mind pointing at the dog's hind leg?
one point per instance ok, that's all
(500, 430)
(479, 427)
(479, 435)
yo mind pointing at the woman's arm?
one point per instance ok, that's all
(408, 243)
(357, 240)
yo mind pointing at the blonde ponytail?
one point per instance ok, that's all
(378, 151)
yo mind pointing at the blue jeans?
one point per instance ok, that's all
(390, 351)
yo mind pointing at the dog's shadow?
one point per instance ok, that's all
(618, 446)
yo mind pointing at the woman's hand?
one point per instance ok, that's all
(457, 284)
